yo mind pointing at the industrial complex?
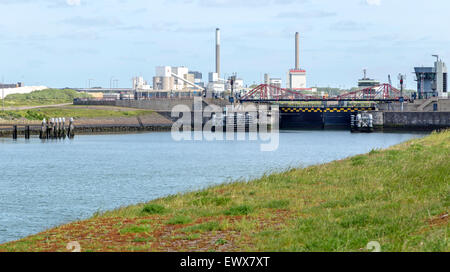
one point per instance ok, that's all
(182, 83)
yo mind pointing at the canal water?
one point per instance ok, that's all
(43, 185)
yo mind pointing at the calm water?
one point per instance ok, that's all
(47, 184)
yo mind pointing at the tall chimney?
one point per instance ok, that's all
(297, 51)
(218, 51)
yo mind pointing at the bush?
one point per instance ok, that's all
(239, 210)
(179, 220)
(153, 209)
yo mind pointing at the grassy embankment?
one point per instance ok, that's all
(72, 111)
(43, 97)
(55, 97)
(399, 197)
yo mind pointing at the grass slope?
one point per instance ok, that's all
(72, 111)
(43, 97)
(399, 197)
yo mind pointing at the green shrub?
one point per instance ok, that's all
(153, 209)
(239, 210)
(277, 204)
(179, 220)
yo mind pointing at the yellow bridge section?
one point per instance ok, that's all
(328, 109)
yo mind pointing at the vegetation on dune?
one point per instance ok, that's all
(398, 197)
(71, 111)
(43, 97)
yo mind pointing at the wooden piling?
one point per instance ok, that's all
(27, 132)
(71, 132)
(15, 132)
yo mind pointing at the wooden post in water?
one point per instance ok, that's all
(48, 128)
(63, 131)
(43, 129)
(15, 132)
(71, 132)
(52, 127)
(55, 129)
(27, 132)
(58, 134)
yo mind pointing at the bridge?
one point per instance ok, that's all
(104, 90)
(266, 93)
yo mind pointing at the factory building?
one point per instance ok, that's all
(198, 78)
(163, 79)
(296, 79)
(216, 85)
(276, 82)
(175, 79)
(139, 84)
(432, 81)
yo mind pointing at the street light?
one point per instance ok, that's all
(3, 94)
(110, 82)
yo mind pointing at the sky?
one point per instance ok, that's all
(64, 43)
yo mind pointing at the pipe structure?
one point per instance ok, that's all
(188, 82)
(297, 51)
(218, 52)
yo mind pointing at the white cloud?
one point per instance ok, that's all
(373, 2)
(73, 2)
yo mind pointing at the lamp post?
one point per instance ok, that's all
(111, 82)
(3, 95)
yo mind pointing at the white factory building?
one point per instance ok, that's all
(176, 79)
(296, 78)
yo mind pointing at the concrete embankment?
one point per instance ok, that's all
(163, 105)
(420, 115)
(145, 123)
(411, 120)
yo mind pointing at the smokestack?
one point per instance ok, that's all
(218, 51)
(297, 51)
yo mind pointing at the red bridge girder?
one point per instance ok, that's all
(275, 93)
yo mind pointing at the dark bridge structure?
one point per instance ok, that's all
(324, 116)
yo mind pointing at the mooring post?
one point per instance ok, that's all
(71, 129)
(59, 127)
(15, 132)
(52, 127)
(48, 129)
(27, 132)
(63, 132)
(55, 129)
(43, 129)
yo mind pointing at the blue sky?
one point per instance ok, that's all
(63, 43)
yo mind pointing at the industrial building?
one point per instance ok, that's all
(216, 85)
(176, 79)
(432, 81)
(139, 84)
(296, 78)
(179, 81)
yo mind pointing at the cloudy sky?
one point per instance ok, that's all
(63, 43)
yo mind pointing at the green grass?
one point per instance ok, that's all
(43, 97)
(397, 197)
(71, 111)
(205, 227)
(135, 229)
(153, 209)
(179, 220)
